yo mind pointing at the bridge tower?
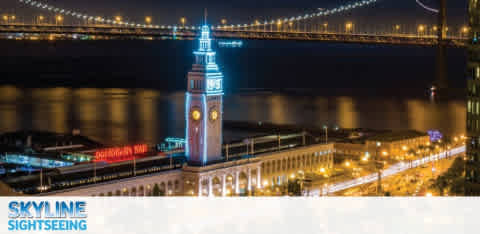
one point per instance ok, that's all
(472, 168)
(204, 105)
(441, 71)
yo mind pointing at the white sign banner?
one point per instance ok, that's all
(332, 215)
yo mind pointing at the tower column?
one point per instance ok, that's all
(210, 186)
(200, 186)
(224, 185)
(259, 178)
(249, 171)
(237, 184)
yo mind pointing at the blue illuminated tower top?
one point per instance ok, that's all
(205, 63)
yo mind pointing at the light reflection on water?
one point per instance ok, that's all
(120, 116)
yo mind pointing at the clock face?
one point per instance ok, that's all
(196, 115)
(213, 115)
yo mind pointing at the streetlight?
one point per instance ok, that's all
(420, 29)
(279, 24)
(118, 19)
(325, 127)
(223, 21)
(148, 20)
(40, 19)
(183, 20)
(325, 25)
(13, 17)
(397, 28)
(378, 165)
(5, 17)
(58, 19)
(465, 30)
(348, 27)
(290, 24)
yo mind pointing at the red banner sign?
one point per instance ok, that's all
(120, 153)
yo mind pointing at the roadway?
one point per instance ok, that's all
(116, 32)
(392, 170)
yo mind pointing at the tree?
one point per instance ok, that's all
(452, 180)
(294, 187)
(156, 191)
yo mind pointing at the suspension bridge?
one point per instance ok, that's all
(303, 27)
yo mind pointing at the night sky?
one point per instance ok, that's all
(246, 11)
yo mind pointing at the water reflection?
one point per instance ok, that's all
(120, 116)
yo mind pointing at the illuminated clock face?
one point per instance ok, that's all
(196, 115)
(213, 115)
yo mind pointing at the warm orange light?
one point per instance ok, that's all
(196, 115)
(214, 115)
(148, 19)
(421, 28)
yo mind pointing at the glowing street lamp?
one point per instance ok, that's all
(223, 21)
(183, 20)
(118, 19)
(348, 27)
(58, 19)
(421, 29)
(397, 28)
(279, 24)
(465, 30)
(41, 18)
(148, 20)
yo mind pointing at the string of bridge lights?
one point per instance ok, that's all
(116, 21)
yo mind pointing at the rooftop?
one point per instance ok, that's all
(397, 136)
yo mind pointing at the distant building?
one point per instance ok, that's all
(394, 145)
(472, 172)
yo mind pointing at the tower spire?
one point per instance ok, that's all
(205, 14)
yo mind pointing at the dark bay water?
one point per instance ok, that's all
(133, 91)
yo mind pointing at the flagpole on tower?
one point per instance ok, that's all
(205, 14)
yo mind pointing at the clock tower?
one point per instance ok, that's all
(204, 105)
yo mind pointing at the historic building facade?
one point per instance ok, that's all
(207, 172)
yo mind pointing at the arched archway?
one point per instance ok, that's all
(169, 188)
(216, 186)
(176, 186)
(141, 191)
(243, 183)
(230, 185)
(133, 191)
(163, 188)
